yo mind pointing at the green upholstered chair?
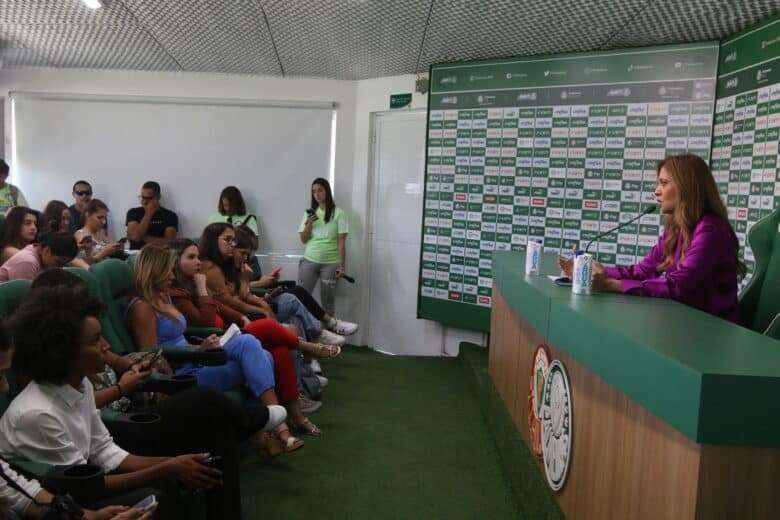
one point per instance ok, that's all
(759, 301)
(12, 294)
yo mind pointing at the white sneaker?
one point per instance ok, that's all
(328, 338)
(315, 366)
(344, 328)
(323, 381)
(276, 416)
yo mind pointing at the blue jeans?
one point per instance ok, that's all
(291, 310)
(248, 364)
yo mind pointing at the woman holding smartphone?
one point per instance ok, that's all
(92, 237)
(324, 231)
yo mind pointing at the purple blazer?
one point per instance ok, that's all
(706, 279)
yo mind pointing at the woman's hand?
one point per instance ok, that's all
(132, 381)
(310, 220)
(192, 470)
(266, 280)
(601, 281)
(210, 342)
(109, 513)
(86, 243)
(341, 270)
(566, 265)
(200, 284)
(244, 321)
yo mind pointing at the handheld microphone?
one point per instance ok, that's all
(651, 208)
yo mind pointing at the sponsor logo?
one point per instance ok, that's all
(732, 83)
(731, 57)
(449, 100)
(527, 96)
(761, 74)
(593, 70)
(448, 80)
(557, 425)
(619, 92)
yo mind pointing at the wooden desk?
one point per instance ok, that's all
(674, 410)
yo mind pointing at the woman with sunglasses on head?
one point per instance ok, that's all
(154, 320)
(695, 260)
(93, 233)
(18, 230)
(247, 244)
(190, 295)
(223, 268)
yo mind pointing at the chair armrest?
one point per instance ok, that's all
(169, 384)
(203, 331)
(773, 330)
(135, 432)
(180, 355)
(85, 482)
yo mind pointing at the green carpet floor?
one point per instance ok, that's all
(403, 437)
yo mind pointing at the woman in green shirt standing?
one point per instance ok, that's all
(232, 209)
(324, 230)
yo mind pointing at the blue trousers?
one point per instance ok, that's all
(248, 363)
(291, 310)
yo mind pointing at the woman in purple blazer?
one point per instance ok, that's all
(695, 261)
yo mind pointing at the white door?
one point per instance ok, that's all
(397, 182)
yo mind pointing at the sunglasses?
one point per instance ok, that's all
(82, 192)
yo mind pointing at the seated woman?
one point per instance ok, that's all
(56, 249)
(247, 244)
(93, 233)
(695, 261)
(33, 501)
(190, 295)
(228, 285)
(232, 209)
(154, 320)
(18, 230)
(58, 343)
(199, 419)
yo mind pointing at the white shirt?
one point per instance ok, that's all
(11, 499)
(57, 424)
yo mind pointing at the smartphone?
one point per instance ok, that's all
(147, 504)
(214, 462)
(277, 271)
(153, 356)
(311, 212)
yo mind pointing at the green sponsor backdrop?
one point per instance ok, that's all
(552, 148)
(747, 124)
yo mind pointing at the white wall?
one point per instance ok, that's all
(373, 95)
(356, 101)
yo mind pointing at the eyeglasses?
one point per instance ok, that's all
(142, 198)
(230, 240)
(82, 192)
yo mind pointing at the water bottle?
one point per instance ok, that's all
(583, 266)
(533, 257)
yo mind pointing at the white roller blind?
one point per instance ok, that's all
(192, 147)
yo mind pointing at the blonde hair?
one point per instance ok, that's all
(154, 265)
(697, 196)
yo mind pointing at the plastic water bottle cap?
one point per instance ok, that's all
(579, 252)
(538, 241)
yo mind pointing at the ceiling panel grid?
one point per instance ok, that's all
(347, 39)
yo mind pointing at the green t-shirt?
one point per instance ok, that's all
(235, 220)
(323, 245)
(10, 196)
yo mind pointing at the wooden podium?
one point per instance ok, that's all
(674, 411)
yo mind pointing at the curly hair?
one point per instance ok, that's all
(47, 331)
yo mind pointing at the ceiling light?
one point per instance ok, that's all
(96, 4)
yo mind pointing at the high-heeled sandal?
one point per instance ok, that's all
(307, 427)
(291, 444)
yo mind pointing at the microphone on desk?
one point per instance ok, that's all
(651, 208)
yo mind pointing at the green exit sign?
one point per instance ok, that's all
(400, 100)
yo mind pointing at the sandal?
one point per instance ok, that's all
(307, 427)
(292, 443)
(327, 351)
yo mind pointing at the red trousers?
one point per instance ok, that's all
(278, 340)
